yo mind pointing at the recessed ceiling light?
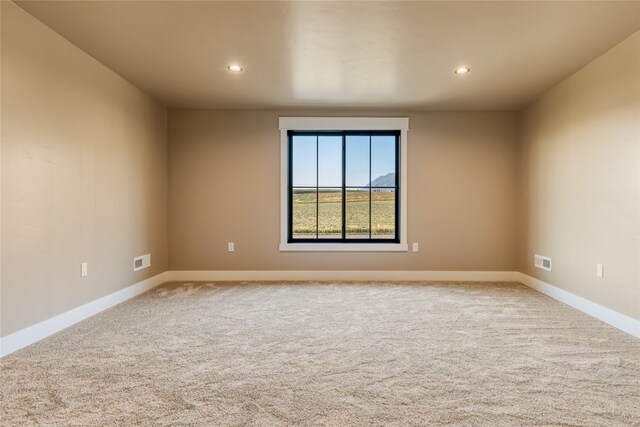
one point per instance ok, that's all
(462, 70)
(235, 68)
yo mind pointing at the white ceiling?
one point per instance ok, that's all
(342, 54)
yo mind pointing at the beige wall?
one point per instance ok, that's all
(580, 181)
(84, 176)
(224, 173)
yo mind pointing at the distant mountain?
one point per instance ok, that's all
(388, 180)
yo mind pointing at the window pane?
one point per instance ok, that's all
(304, 213)
(383, 161)
(357, 215)
(330, 213)
(304, 161)
(383, 218)
(357, 162)
(330, 161)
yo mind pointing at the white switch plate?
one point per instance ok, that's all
(416, 247)
(84, 269)
(231, 247)
(600, 270)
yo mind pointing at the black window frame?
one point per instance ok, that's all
(344, 187)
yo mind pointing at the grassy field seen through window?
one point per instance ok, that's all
(328, 216)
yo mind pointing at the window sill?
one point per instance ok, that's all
(344, 247)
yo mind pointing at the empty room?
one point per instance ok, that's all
(320, 213)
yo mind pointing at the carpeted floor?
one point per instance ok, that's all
(321, 354)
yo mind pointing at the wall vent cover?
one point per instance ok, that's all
(141, 262)
(542, 262)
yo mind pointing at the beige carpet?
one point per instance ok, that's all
(369, 354)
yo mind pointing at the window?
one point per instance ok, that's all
(343, 184)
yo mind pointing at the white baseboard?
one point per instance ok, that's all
(230, 275)
(617, 320)
(34, 333)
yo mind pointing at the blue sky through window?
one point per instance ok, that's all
(304, 161)
(357, 160)
(383, 156)
(322, 164)
(330, 161)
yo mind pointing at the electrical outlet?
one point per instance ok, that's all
(231, 247)
(600, 270)
(416, 247)
(84, 269)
